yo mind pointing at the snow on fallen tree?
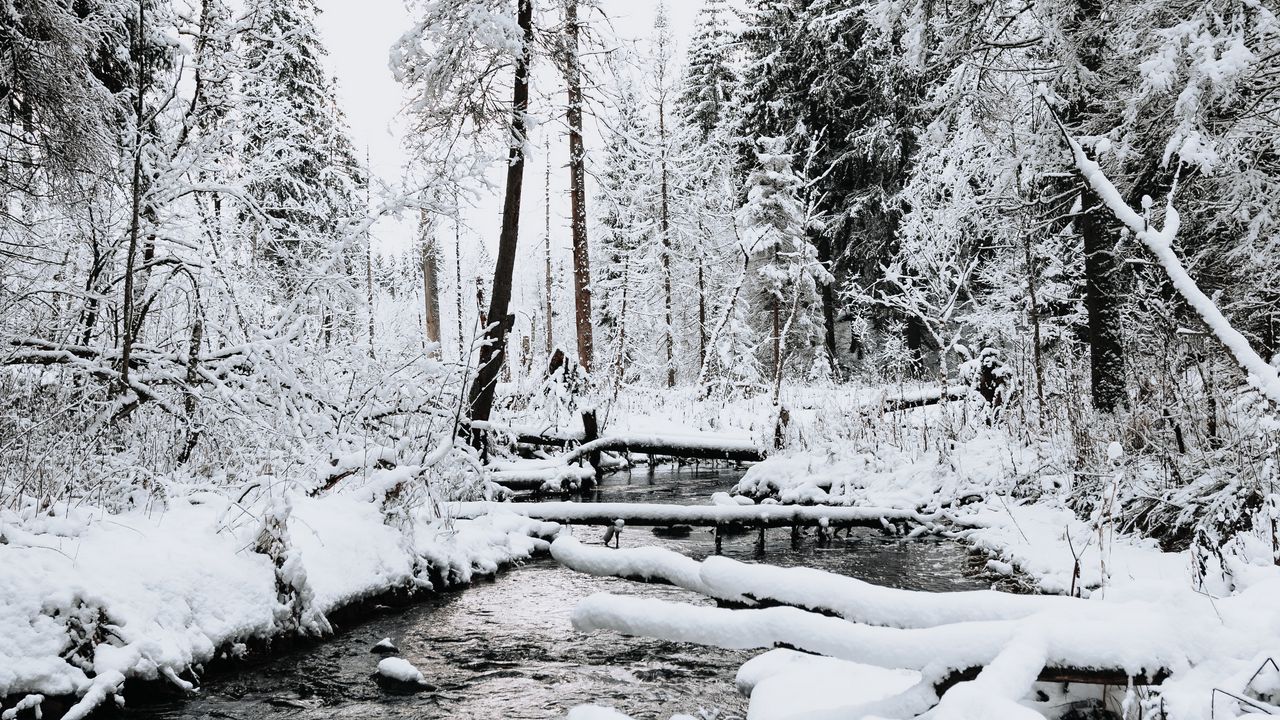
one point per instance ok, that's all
(648, 564)
(654, 514)
(725, 579)
(976, 654)
(1138, 639)
(1160, 242)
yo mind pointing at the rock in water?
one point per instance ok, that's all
(385, 647)
(401, 675)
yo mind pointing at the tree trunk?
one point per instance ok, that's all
(135, 219)
(480, 398)
(1102, 301)
(548, 310)
(457, 276)
(828, 302)
(1033, 314)
(664, 221)
(620, 360)
(577, 189)
(430, 262)
(368, 262)
(702, 314)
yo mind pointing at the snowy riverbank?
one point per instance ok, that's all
(88, 601)
(1208, 623)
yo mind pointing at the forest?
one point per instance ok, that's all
(929, 350)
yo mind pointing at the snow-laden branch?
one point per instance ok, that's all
(1160, 242)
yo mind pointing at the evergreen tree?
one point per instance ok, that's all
(786, 262)
(627, 236)
(304, 190)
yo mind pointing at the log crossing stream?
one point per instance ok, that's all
(505, 649)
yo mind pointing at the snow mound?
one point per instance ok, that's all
(400, 670)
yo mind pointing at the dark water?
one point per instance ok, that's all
(505, 649)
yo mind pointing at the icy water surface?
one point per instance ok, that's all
(505, 649)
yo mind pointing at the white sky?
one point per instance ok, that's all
(359, 34)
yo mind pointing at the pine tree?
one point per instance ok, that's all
(785, 261)
(627, 205)
(304, 190)
(709, 79)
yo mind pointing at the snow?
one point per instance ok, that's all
(385, 646)
(880, 474)
(1138, 638)
(176, 588)
(660, 514)
(1140, 610)
(645, 563)
(784, 684)
(400, 670)
(1160, 242)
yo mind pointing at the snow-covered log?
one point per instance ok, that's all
(726, 579)
(658, 515)
(699, 446)
(919, 398)
(553, 478)
(1151, 644)
(647, 564)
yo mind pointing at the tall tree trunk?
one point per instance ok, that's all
(828, 301)
(492, 353)
(620, 360)
(664, 221)
(775, 311)
(548, 309)
(577, 189)
(368, 259)
(457, 276)
(135, 218)
(702, 313)
(1102, 301)
(430, 262)
(1033, 314)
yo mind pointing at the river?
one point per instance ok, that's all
(505, 648)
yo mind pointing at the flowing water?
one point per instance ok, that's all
(505, 648)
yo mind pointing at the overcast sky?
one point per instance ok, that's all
(359, 34)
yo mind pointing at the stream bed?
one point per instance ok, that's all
(505, 648)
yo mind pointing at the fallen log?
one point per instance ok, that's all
(727, 580)
(922, 398)
(720, 516)
(696, 447)
(1072, 675)
(1071, 646)
(554, 478)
